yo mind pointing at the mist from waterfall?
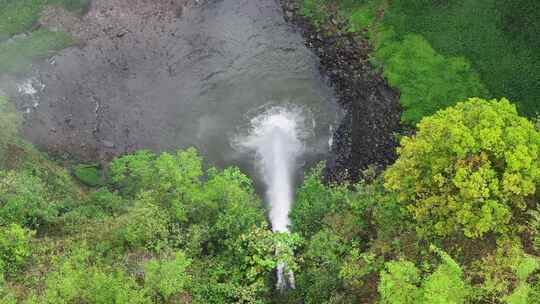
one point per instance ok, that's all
(276, 137)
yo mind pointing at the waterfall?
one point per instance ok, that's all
(276, 136)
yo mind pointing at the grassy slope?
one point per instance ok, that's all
(17, 16)
(16, 55)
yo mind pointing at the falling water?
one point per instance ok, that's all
(276, 137)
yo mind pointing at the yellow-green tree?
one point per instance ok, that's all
(468, 168)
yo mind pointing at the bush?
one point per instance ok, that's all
(76, 280)
(499, 37)
(14, 248)
(145, 225)
(468, 168)
(402, 283)
(24, 200)
(505, 274)
(166, 278)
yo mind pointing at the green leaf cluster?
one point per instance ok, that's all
(14, 248)
(402, 282)
(468, 168)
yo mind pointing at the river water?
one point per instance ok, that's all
(164, 76)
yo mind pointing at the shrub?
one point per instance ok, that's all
(468, 168)
(76, 280)
(402, 283)
(24, 200)
(145, 225)
(14, 248)
(165, 278)
(505, 273)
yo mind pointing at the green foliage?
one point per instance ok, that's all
(499, 37)
(24, 200)
(77, 280)
(399, 283)
(505, 273)
(402, 282)
(316, 10)
(438, 52)
(144, 171)
(145, 225)
(14, 248)
(88, 175)
(18, 16)
(427, 80)
(468, 168)
(446, 284)
(6, 295)
(229, 194)
(17, 55)
(321, 262)
(107, 202)
(166, 278)
(314, 201)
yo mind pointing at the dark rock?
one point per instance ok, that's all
(365, 137)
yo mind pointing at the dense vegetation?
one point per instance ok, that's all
(439, 52)
(454, 220)
(164, 231)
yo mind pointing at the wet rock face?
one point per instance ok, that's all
(168, 74)
(366, 137)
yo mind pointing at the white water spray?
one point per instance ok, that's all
(276, 137)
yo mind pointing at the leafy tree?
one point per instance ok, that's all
(314, 201)
(468, 168)
(322, 259)
(228, 194)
